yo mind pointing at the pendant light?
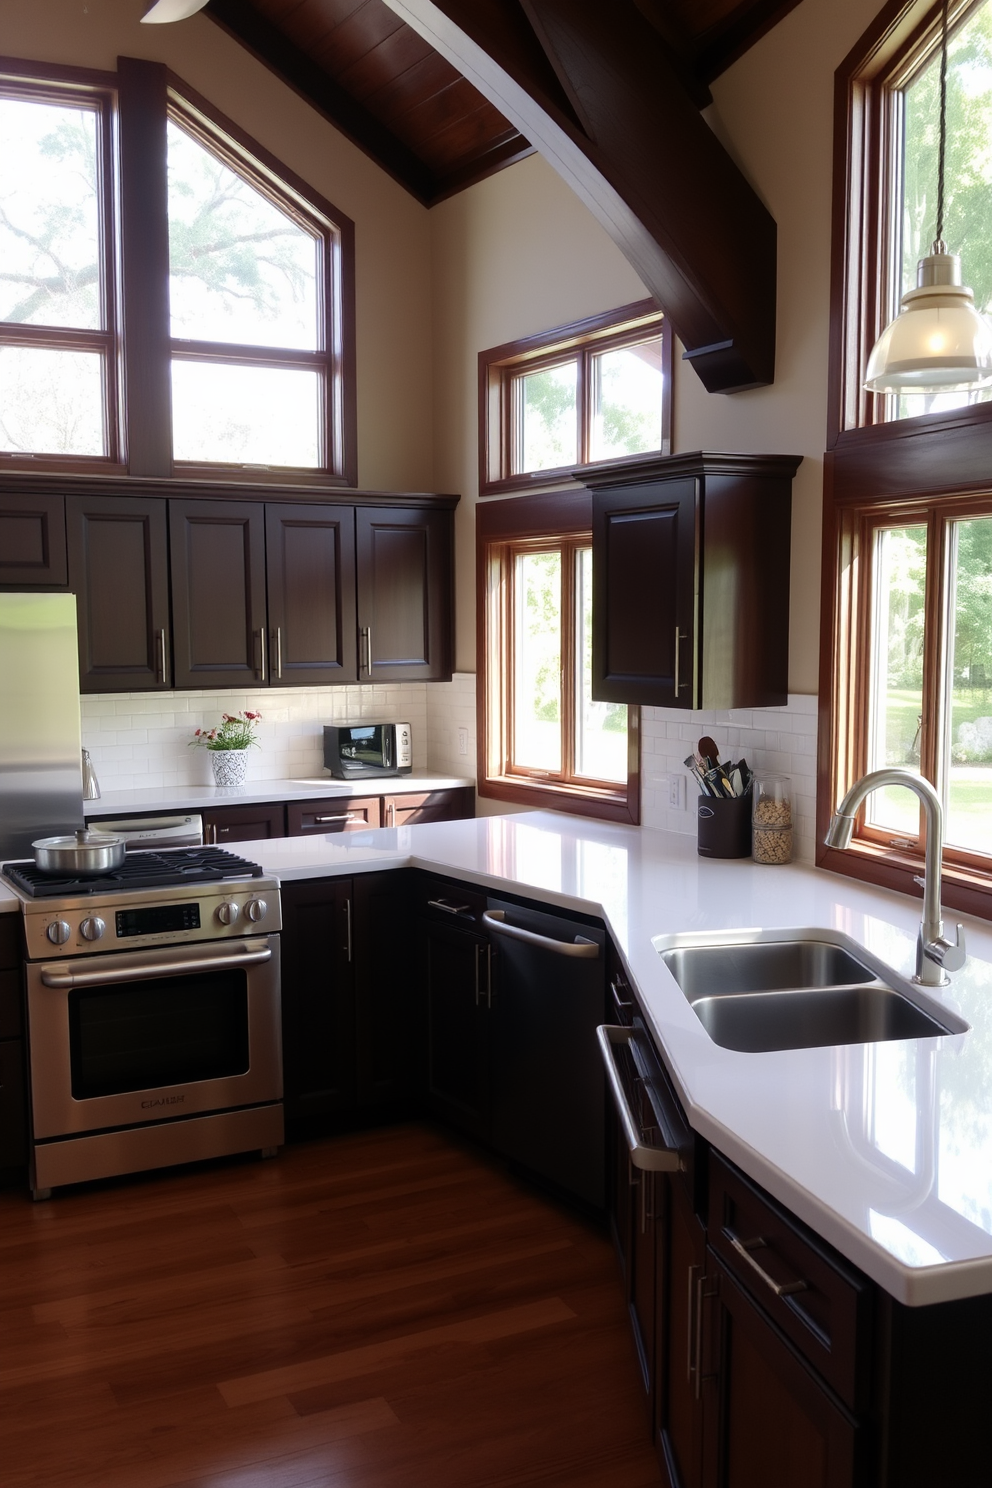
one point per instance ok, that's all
(938, 342)
(163, 12)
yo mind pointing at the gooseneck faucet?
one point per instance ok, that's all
(935, 954)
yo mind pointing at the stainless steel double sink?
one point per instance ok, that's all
(798, 989)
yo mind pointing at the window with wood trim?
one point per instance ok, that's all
(907, 578)
(220, 296)
(598, 389)
(544, 741)
(58, 280)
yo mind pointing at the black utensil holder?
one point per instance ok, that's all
(723, 826)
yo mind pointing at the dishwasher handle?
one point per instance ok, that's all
(585, 950)
(643, 1155)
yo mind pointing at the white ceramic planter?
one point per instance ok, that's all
(230, 766)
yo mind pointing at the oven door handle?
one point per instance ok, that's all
(145, 970)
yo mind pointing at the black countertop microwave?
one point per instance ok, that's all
(358, 751)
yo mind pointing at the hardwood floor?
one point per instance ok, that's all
(381, 1310)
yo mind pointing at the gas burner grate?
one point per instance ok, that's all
(139, 870)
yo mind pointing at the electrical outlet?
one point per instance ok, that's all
(463, 741)
(676, 792)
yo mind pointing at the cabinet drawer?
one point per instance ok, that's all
(457, 903)
(819, 1303)
(337, 814)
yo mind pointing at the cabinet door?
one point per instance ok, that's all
(644, 594)
(456, 978)
(318, 997)
(772, 1421)
(119, 570)
(13, 1105)
(32, 541)
(218, 593)
(389, 1036)
(310, 569)
(223, 825)
(428, 806)
(336, 814)
(680, 1374)
(404, 594)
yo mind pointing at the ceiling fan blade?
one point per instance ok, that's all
(164, 11)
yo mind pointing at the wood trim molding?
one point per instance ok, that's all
(229, 488)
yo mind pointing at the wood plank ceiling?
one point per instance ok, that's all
(408, 108)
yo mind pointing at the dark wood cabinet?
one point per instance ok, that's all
(456, 968)
(119, 572)
(223, 825)
(412, 807)
(352, 1028)
(13, 1093)
(404, 560)
(32, 541)
(217, 550)
(318, 998)
(691, 580)
(335, 814)
(310, 567)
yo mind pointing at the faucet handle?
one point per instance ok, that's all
(950, 955)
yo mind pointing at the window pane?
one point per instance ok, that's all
(241, 269)
(968, 177)
(246, 415)
(49, 216)
(968, 717)
(537, 661)
(626, 401)
(51, 402)
(601, 728)
(547, 429)
(896, 699)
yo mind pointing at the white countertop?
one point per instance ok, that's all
(884, 1149)
(202, 797)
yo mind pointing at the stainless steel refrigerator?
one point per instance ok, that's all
(41, 784)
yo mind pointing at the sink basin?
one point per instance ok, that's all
(798, 990)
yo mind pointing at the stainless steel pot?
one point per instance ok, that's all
(82, 856)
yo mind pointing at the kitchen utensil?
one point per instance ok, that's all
(83, 855)
(709, 749)
(91, 786)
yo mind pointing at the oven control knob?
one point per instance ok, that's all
(256, 909)
(228, 912)
(92, 927)
(58, 932)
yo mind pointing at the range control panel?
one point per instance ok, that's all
(80, 926)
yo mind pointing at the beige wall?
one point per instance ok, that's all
(392, 231)
(519, 253)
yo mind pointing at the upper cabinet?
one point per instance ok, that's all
(214, 592)
(218, 593)
(119, 572)
(691, 580)
(404, 594)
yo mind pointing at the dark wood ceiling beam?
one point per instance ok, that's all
(272, 48)
(680, 44)
(747, 23)
(640, 156)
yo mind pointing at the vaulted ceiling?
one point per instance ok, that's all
(391, 92)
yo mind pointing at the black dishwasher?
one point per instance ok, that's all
(548, 988)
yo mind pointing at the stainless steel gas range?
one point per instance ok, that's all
(153, 1014)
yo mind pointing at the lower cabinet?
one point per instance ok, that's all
(351, 1027)
(456, 966)
(407, 810)
(223, 825)
(13, 1099)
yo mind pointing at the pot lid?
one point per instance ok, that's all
(83, 837)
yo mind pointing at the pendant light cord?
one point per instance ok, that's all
(939, 246)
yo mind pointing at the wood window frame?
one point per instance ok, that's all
(135, 102)
(930, 467)
(501, 366)
(95, 91)
(537, 523)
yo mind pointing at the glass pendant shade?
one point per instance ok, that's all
(163, 12)
(938, 343)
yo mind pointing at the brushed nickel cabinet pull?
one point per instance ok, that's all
(642, 1154)
(691, 1364)
(744, 1249)
(163, 656)
(679, 636)
(455, 909)
(278, 665)
(347, 920)
(260, 638)
(345, 816)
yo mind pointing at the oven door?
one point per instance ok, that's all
(146, 1036)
